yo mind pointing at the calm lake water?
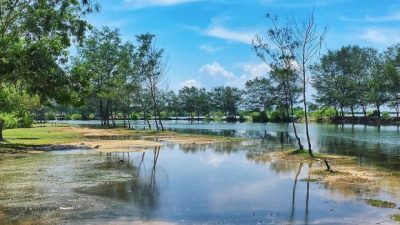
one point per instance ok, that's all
(221, 183)
(372, 145)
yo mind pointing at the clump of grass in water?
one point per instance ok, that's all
(380, 203)
(309, 180)
(395, 217)
(303, 153)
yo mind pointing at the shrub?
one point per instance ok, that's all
(164, 115)
(275, 116)
(91, 116)
(373, 114)
(259, 117)
(324, 112)
(51, 116)
(385, 115)
(299, 113)
(76, 116)
(13, 121)
(135, 116)
(10, 121)
(67, 117)
(25, 121)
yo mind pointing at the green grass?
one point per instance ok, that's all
(47, 134)
(310, 180)
(303, 153)
(395, 217)
(380, 203)
(37, 136)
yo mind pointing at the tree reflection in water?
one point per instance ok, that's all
(140, 191)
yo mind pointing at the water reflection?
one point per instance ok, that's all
(140, 191)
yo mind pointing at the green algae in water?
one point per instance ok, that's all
(380, 203)
(395, 217)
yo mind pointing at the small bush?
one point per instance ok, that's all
(51, 116)
(10, 121)
(277, 116)
(13, 121)
(67, 117)
(373, 114)
(324, 112)
(91, 116)
(76, 116)
(164, 115)
(135, 116)
(25, 121)
(299, 113)
(260, 117)
(386, 115)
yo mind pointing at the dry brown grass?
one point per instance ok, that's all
(348, 178)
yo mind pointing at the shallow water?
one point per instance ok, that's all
(373, 145)
(179, 184)
(221, 183)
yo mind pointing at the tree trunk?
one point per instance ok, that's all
(1, 129)
(124, 115)
(294, 127)
(336, 112)
(364, 108)
(341, 111)
(305, 111)
(378, 107)
(159, 120)
(352, 111)
(107, 115)
(101, 113)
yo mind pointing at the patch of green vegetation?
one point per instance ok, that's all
(395, 217)
(310, 180)
(303, 153)
(328, 173)
(37, 136)
(380, 203)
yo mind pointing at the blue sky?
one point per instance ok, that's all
(208, 42)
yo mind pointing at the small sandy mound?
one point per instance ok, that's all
(92, 132)
(351, 178)
(118, 146)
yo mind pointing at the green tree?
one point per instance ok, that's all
(278, 51)
(34, 39)
(226, 100)
(258, 96)
(100, 57)
(152, 69)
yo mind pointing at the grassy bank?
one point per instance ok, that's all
(25, 139)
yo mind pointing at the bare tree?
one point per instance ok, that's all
(309, 39)
(278, 51)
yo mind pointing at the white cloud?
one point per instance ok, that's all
(221, 32)
(380, 35)
(151, 3)
(394, 16)
(216, 70)
(209, 48)
(214, 159)
(190, 83)
(252, 70)
(212, 75)
(299, 4)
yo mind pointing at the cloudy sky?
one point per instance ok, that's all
(208, 42)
